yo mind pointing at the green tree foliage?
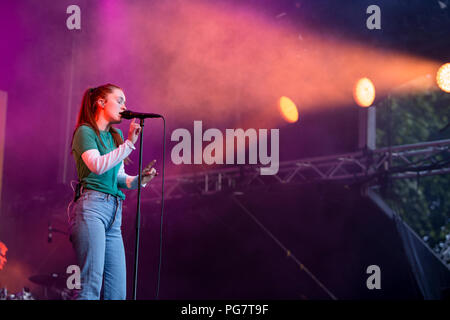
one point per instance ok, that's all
(422, 202)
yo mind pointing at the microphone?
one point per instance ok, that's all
(127, 114)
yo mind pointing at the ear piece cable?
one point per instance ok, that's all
(71, 202)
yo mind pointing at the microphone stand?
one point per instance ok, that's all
(138, 214)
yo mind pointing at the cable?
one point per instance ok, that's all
(162, 208)
(71, 202)
(71, 184)
(288, 252)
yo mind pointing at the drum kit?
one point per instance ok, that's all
(25, 294)
(53, 285)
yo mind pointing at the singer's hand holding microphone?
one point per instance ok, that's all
(134, 131)
(135, 128)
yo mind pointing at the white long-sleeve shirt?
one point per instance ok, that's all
(99, 164)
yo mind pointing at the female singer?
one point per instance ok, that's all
(99, 150)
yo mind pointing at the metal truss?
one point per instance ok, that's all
(400, 162)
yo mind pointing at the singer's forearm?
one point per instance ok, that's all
(100, 164)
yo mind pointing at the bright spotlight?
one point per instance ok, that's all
(364, 92)
(443, 77)
(288, 109)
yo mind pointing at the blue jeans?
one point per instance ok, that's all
(95, 222)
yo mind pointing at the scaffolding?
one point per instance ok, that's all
(399, 162)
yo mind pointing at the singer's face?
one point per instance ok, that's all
(114, 105)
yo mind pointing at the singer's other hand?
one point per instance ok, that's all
(135, 130)
(148, 173)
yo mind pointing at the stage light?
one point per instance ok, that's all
(364, 92)
(288, 109)
(443, 77)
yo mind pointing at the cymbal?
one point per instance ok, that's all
(51, 280)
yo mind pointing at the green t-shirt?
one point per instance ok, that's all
(85, 139)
